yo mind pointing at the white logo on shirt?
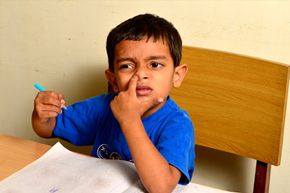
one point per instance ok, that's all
(103, 153)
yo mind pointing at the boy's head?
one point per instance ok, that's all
(145, 26)
(149, 48)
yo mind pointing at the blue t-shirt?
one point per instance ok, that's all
(91, 122)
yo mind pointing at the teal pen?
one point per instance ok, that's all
(41, 89)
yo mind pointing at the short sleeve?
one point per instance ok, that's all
(78, 123)
(176, 144)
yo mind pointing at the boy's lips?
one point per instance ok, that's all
(143, 90)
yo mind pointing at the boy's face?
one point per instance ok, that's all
(151, 62)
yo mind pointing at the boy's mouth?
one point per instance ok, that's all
(143, 90)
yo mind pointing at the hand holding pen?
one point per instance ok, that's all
(48, 104)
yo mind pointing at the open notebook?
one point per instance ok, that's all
(62, 171)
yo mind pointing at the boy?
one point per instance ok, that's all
(138, 122)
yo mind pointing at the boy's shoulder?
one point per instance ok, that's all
(105, 98)
(171, 113)
(101, 101)
(176, 108)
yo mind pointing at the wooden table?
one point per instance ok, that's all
(16, 153)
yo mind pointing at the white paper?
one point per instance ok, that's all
(190, 188)
(62, 171)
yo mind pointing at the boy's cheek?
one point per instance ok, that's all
(123, 86)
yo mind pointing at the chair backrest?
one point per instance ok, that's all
(236, 103)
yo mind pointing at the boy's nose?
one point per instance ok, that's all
(142, 73)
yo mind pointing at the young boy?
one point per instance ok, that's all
(138, 122)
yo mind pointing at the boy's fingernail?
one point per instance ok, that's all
(160, 100)
(63, 106)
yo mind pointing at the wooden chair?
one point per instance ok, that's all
(237, 104)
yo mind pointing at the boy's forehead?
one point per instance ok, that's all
(143, 43)
(142, 50)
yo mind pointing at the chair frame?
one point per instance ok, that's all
(237, 104)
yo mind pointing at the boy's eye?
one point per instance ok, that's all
(156, 65)
(126, 66)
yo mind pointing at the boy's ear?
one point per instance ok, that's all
(112, 80)
(179, 74)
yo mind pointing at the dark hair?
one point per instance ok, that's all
(145, 26)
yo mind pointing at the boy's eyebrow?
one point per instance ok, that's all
(125, 59)
(157, 57)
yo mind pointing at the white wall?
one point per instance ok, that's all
(61, 45)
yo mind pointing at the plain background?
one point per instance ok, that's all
(61, 45)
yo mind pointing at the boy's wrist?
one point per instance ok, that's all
(133, 122)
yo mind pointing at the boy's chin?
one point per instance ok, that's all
(148, 99)
(144, 98)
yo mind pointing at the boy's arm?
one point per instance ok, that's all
(156, 174)
(47, 105)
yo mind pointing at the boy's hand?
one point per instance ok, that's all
(126, 106)
(48, 104)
